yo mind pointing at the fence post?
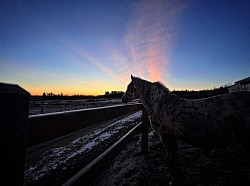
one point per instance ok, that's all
(144, 128)
(14, 110)
(42, 106)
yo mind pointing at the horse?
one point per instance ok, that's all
(207, 123)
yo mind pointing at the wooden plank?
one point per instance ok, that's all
(45, 127)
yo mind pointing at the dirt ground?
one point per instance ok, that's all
(219, 167)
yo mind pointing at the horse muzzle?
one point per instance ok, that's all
(124, 99)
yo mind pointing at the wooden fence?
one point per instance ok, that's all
(45, 127)
(18, 130)
(49, 126)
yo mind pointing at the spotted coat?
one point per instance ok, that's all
(207, 123)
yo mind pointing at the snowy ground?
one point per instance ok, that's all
(66, 105)
(56, 161)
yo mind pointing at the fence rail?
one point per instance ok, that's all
(45, 127)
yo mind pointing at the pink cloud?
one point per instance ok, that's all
(150, 35)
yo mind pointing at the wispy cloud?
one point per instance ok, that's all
(149, 36)
(100, 65)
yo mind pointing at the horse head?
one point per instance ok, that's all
(130, 93)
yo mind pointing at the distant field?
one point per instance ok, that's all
(48, 106)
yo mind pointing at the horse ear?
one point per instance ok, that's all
(132, 77)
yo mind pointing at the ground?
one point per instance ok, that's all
(219, 167)
(56, 161)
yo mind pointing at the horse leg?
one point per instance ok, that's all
(176, 170)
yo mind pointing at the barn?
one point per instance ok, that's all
(241, 85)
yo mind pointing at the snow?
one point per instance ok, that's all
(51, 113)
(52, 106)
(60, 156)
(78, 110)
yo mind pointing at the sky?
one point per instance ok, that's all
(92, 46)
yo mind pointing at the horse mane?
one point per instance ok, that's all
(160, 86)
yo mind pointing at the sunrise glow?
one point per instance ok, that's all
(90, 47)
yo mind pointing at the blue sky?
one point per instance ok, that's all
(89, 47)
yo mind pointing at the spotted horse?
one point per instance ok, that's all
(208, 123)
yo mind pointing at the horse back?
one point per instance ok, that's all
(217, 120)
(235, 113)
(238, 103)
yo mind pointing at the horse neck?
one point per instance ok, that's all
(150, 97)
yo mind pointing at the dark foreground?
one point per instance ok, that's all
(220, 167)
